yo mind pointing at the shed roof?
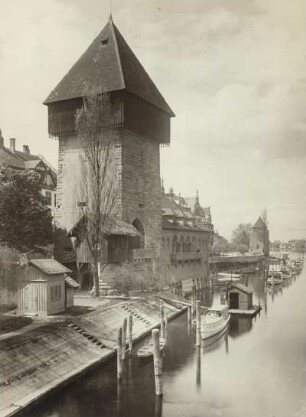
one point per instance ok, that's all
(108, 65)
(241, 287)
(71, 282)
(112, 227)
(50, 266)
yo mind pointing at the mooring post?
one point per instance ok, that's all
(162, 321)
(157, 363)
(198, 323)
(166, 327)
(124, 330)
(195, 299)
(130, 333)
(189, 314)
(119, 354)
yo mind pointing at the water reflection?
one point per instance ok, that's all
(239, 325)
(158, 411)
(198, 379)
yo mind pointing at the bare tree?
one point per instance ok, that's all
(94, 125)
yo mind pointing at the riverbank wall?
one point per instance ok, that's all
(36, 363)
(224, 263)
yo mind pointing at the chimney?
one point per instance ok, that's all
(26, 149)
(12, 144)
(1, 140)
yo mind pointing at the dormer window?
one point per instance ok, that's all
(104, 42)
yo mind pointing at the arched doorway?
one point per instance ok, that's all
(137, 242)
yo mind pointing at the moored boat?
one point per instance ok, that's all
(227, 277)
(214, 321)
(146, 351)
(275, 278)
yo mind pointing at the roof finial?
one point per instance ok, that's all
(110, 11)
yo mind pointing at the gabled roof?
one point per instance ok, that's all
(259, 224)
(108, 65)
(241, 287)
(50, 266)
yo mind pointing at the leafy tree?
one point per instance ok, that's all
(241, 235)
(25, 219)
(220, 245)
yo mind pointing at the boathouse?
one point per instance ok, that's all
(239, 297)
(42, 288)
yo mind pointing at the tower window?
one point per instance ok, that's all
(104, 42)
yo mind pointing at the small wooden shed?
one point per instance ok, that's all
(239, 297)
(70, 286)
(41, 287)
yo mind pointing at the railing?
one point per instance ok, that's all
(63, 122)
(186, 256)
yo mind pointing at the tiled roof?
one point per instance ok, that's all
(31, 164)
(108, 65)
(259, 224)
(114, 227)
(50, 266)
(166, 224)
(9, 158)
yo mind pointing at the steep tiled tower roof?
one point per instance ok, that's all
(109, 65)
(259, 224)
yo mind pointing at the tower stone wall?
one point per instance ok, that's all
(141, 190)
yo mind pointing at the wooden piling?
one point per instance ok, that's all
(193, 298)
(189, 314)
(124, 331)
(157, 363)
(166, 327)
(162, 321)
(198, 323)
(119, 354)
(130, 333)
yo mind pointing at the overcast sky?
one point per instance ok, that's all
(233, 71)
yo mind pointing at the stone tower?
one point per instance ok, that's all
(142, 124)
(259, 237)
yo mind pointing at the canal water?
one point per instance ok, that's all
(258, 368)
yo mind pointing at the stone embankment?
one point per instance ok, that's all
(41, 360)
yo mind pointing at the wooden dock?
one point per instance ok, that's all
(252, 312)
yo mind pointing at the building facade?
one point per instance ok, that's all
(187, 234)
(259, 238)
(24, 160)
(141, 124)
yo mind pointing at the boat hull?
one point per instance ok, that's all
(207, 331)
